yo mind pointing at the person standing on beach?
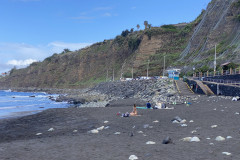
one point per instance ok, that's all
(149, 105)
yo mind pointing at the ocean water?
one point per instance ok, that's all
(17, 104)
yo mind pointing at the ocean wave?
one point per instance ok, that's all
(13, 100)
(9, 90)
(17, 96)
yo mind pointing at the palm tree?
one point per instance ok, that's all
(138, 26)
(146, 24)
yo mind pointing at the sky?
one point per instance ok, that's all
(32, 30)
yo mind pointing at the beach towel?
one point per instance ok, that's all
(143, 108)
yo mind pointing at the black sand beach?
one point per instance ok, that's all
(70, 139)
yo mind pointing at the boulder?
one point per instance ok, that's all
(195, 139)
(220, 138)
(133, 157)
(167, 140)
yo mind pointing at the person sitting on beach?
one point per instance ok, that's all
(158, 105)
(148, 105)
(134, 112)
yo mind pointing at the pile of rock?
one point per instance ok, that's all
(162, 90)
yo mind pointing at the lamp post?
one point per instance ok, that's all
(163, 65)
(193, 71)
(132, 72)
(215, 60)
(147, 68)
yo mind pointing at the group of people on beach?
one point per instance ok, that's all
(148, 106)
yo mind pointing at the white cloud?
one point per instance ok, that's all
(83, 18)
(29, 0)
(22, 54)
(102, 8)
(94, 13)
(107, 14)
(21, 63)
(18, 51)
(24, 0)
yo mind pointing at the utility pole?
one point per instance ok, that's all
(113, 74)
(107, 76)
(163, 65)
(122, 69)
(147, 68)
(132, 72)
(215, 60)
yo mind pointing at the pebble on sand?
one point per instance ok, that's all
(94, 131)
(220, 138)
(117, 133)
(175, 121)
(133, 157)
(145, 125)
(184, 125)
(191, 121)
(150, 142)
(229, 137)
(140, 132)
(106, 127)
(186, 139)
(213, 126)
(105, 122)
(194, 131)
(190, 139)
(51, 129)
(38, 134)
(183, 121)
(74, 131)
(227, 153)
(100, 128)
(237, 113)
(167, 140)
(155, 121)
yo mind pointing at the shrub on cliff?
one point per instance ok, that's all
(125, 33)
(169, 28)
(238, 17)
(133, 43)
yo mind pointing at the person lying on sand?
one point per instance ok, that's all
(134, 112)
(161, 105)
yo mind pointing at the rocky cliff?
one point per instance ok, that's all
(220, 26)
(184, 45)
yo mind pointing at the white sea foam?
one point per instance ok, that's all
(16, 96)
(9, 90)
(3, 108)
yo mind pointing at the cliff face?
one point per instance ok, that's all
(72, 69)
(220, 26)
(184, 45)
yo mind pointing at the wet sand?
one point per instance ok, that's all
(18, 139)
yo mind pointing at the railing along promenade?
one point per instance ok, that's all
(216, 77)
